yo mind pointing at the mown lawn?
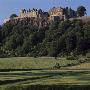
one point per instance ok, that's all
(44, 77)
(40, 72)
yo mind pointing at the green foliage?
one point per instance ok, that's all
(81, 11)
(72, 58)
(13, 16)
(69, 13)
(57, 66)
(88, 55)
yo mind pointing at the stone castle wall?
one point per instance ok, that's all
(55, 13)
(29, 13)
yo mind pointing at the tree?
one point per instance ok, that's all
(26, 47)
(52, 49)
(54, 25)
(81, 11)
(6, 29)
(13, 15)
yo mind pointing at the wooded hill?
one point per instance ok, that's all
(40, 37)
(54, 39)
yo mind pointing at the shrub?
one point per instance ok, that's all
(88, 55)
(4, 55)
(69, 64)
(57, 66)
(72, 58)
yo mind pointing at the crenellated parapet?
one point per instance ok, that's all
(31, 13)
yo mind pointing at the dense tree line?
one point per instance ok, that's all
(57, 38)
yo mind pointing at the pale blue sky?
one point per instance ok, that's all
(7, 7)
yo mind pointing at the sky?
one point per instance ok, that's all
(8, 7)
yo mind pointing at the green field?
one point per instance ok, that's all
(34, 63)
(40, 72)
(43, 77)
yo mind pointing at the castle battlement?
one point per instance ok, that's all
(31, 13)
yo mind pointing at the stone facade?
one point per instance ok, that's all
(56, 13)
(31, 13)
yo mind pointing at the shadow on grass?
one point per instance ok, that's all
(21, 80)
(44, 75)
(54, 73)
(49, 87)
(84, 78)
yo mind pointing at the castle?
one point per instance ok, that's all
(55, 13)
